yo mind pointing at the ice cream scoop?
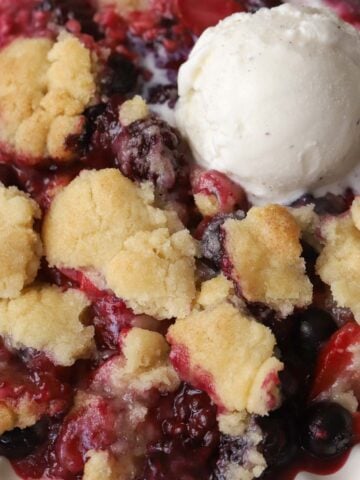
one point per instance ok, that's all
(273, 100)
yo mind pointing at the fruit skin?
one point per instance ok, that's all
(280, 442)
(19, 443)
(336, 361)
(314, 327)
(328, 429)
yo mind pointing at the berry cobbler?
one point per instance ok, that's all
(180, 238)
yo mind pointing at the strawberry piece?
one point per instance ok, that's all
(337, 360)
(201, 14)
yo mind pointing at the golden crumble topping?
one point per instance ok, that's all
(21, 413)
(44, 89)
(264, 253)
(146, 363)
(49, 320)
(208, 205)
(21, 249)
(233, 353)
(100, 465)
(154, 273)
(309, 224)
(126, 6)
(133, 110)
(103, 221)
(214, 291)
(339, 262)
(89, 221)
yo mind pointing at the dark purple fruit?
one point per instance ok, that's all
(314, 328)
(120, 76)
(150, 149)
(211, 242)
(328, 429)
(280, 442)
(18, 443)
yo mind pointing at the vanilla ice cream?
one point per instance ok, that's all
(273, 100)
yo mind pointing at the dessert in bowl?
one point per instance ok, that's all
(179, 261)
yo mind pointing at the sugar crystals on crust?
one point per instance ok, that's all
(20, 250)
(48, 320)
(339, 262)
(44, 89)
(264, 258)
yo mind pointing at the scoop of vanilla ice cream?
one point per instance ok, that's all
(273, 100)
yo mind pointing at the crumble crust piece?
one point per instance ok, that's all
(100, 465)
(103, 221)
(146, 364)
(264, 255)
(133, 110)
(48, 320)
(232, 354)
(124, 7)
(44, 89)
(20, 245)
(339, 262)
(154, 273)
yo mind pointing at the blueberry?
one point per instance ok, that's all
(120, 77)
(328, 429)
(280, 442)
(314, 327)
(18, 443)
(211, 242)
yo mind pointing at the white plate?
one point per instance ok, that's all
(351, 470)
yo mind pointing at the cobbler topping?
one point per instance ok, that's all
(90, 219)
(339, 260)
(235, 365)
(124, 7)
(48, 320)
(263, 258)
(133, 110)
(44, 90)
(20, 245)
(102, 221)
(100, 465)
(168, 293)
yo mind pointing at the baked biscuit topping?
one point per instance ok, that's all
(48, 320)
(103, 221)
(44, 90)
(125, 6)
(154, 273)
(230, 355)
(264, 259)
(20, 250)
(339, 262)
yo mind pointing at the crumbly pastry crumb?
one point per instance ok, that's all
(146, 363)
(214, 291)
(126, 6)
(90, 219)
(154, 273)
(48, 320)
(45, 87)
(339, 262)
(102, 221)
(133, 110)
(230, 355)
(309, 223)
(100, 465)
(20, 245)
(264, 254)
(19, 413)
(208, 205)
